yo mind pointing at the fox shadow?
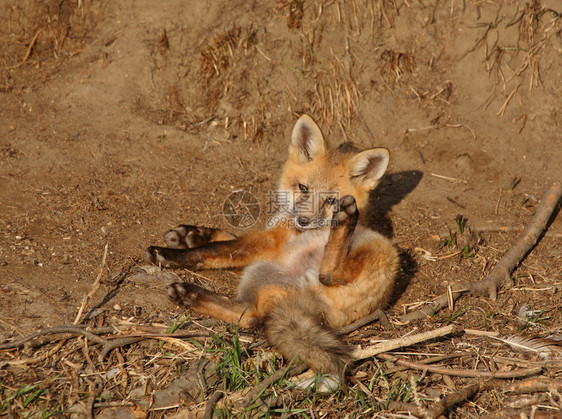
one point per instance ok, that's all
(391, 190)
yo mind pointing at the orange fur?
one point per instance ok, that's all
(317, 269)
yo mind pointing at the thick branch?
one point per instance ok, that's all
(522, 246)
(534, 385)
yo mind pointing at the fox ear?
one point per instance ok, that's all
(307, 141)
(368, 166)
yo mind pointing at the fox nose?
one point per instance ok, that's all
(303, 222)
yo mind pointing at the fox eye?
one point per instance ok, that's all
(330, 201)
(303, 188)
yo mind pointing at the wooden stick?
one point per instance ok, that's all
(95, 286)
(378, 314)
(28, 52)
(402, 342)
(210, 408)
(75, 330)
(534, 385)
(116, 343)
(93, 390)
(455, 398)
(462, 372)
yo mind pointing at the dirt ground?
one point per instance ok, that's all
(120, 120)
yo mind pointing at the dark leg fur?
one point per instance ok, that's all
(262, 245)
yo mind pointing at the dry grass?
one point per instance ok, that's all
(336, 97)
(294, 10)
(141, 367)
(395, 66)
(537, 26)
(42, 31)
(223, 52)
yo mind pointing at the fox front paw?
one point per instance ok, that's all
(347, 213)
(185, 294)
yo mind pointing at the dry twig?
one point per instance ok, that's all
(525, 372)
(28, 52)
(25, 361)
(402, 342)
(430, 361)
(411, 408)
(93, 390)
(378, 314)
(95, 286)
(277, 375)
(75, 330)
(455, 398)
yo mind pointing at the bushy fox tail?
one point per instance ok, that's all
(295, 327)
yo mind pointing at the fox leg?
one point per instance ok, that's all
(337, 249)
(370, 273)
(189, 236)
(261, 245)
(203, 301)
(358, 268)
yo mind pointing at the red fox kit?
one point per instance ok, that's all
(315, 270)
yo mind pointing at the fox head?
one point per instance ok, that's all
(315, 178)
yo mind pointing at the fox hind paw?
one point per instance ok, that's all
(188, 236)
(347, 213)
(176, 238)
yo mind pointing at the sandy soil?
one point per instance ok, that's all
(120, 120)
